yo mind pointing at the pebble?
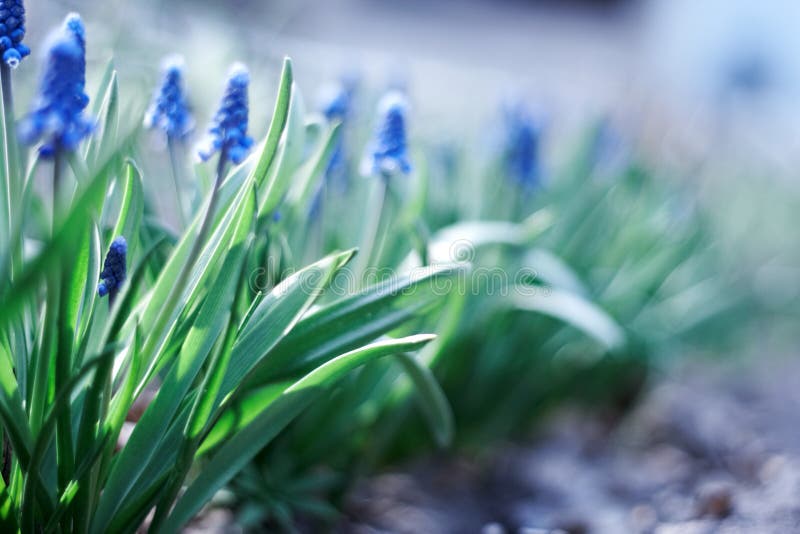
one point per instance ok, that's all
(493, 528)
(715, 499)
(686, 527)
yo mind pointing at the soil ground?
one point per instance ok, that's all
(709, 450)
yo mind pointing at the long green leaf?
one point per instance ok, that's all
(277, 315)
(571, 309)
(201, 338)
(236, 452)
(352, 321)
(432, 400)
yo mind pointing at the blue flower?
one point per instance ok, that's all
(169, 110)
(335, 104)
(114, 269)
(12, 31)
(73, 25)
(57, 115)
(521, 147)
(388, 152)
(228, 131)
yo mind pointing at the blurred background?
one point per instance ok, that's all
(678, 67)
(707, 90)
(704, 92)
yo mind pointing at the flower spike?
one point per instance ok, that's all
(388, 152)
(334, 101)
(335, 104)
(73, 25)
(522, 140)
(57, 116)
(228, 131)
(169, 110)
(114, 269)
(12, 31)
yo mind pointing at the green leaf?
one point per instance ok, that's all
(12, 411)
(350, 322)
(553, 270)
(34, 486)
(236, 452)
(305, 180)
(241, 413)
(61, 244)
(277, 315)
(208, 326)
(90, 289)
(168, 277)
(102, 141)
(573, 310)
(288, 157)
(432, 399)
(132, 207)
(459, 241)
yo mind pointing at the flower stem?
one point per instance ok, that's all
(49, 346)
(174, 160)
(374, 216)
(13, 172)
(160, 324)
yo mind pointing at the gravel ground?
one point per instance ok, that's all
(709, 450)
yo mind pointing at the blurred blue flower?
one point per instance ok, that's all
(114, 269)
(73, 25)
(228, 131)
(169, 110)
(12, 31)
(57, 115)
(335, 103)
(388, 152)
(521, 147)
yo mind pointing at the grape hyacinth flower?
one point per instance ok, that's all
(73, 25)
(114, 269)
(169, 110)
(335, 102)
(228, 131)
(57, 116)
(388, 152)
(335, 105)
(521, 147)
(12, 31)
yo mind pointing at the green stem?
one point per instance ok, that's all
(202, 410)
(174, 160)
(63, 339)
(41, 391)
(375, 205)
(194, 426)
(13, 172)
(173, 298)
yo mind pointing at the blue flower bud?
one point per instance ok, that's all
(521, 147)
(57, 115)
(12, 31)
(388, 152)
(114, 269)
(227, 133)
(169, 110)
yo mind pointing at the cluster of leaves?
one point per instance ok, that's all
(576, 288)
(230, 363)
